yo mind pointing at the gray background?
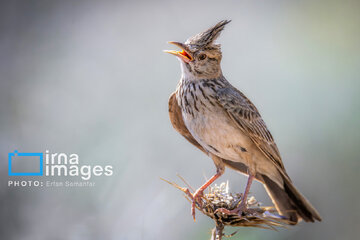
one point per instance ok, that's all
(89, 77)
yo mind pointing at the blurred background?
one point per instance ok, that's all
(90, 77)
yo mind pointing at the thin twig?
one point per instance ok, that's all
(186, 183)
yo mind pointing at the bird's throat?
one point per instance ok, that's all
(189, 74)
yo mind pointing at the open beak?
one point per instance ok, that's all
(184, 54)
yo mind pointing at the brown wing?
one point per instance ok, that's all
(248, 119)
(178, 123)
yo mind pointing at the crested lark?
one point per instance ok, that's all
(218, 119)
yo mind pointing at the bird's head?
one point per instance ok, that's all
(200, 57)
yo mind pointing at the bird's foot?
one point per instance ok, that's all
(196, 199)
(241, 210)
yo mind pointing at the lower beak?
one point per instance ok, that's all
(184, 55)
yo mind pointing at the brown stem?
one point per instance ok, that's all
(217, 232)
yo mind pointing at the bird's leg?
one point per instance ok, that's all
(220, 169)
(242, 206)
(199, 193)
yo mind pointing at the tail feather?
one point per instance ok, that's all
(290, 202)
(287, 199)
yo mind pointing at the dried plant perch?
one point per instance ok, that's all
(218, 203)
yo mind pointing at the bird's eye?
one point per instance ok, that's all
(202, 56)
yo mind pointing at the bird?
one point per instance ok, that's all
(223, 123)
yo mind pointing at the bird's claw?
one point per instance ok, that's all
(224, 210)
(240, 210)
(196, 198)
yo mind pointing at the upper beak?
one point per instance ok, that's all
(184, 55)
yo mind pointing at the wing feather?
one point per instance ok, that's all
(249, 120)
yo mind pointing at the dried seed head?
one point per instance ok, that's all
(220, 197)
